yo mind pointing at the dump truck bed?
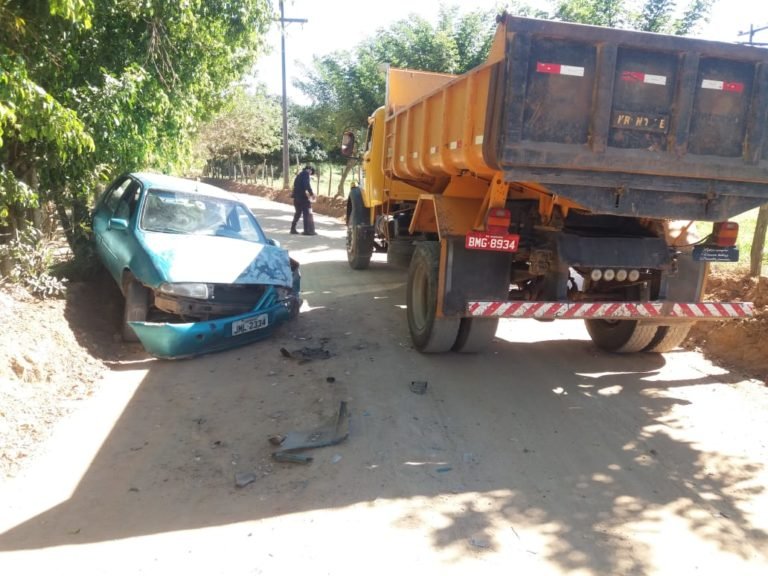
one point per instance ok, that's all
(620, 122)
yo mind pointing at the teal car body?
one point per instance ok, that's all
(196, 269)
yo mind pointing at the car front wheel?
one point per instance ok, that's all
(136, 307)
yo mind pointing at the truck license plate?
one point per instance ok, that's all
(249, 324)
(635, 121)
(494, 242)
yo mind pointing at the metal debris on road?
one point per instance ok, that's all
(292, 458)
(334, 432)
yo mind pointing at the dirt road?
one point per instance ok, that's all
(541, 456)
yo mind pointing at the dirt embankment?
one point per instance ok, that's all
(736, 344)
(335, 207)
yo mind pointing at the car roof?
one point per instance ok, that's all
(174, 183)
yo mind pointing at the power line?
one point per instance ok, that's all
(751, 33)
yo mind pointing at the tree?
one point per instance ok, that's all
(33, 122)
(346, 87)
(250, 125)
(653, 16)
(92, 87)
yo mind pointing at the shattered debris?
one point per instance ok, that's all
(306, 354)
(242, 479)
(419, 386)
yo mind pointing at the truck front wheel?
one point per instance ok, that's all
(359, 233)
(621, 336)
(429, 333)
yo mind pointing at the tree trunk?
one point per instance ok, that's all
(758, 242)
(347, 169)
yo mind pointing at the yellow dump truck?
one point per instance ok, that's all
(562, 179)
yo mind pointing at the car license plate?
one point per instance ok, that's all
(249, 324)
(495, 242)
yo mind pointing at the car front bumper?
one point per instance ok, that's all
(176, 341)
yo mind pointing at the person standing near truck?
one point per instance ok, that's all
(302, 201)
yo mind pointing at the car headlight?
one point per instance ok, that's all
(283, 293)
(187, 290)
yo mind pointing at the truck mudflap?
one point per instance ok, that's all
(612, 310)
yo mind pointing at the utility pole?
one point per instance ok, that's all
(286, 157)
(751, 33)
(761, 225)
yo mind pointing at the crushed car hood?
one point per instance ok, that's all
(217, 260)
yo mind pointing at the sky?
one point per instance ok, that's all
(342, 24)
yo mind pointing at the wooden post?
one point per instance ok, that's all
(330, 178)
(758, 242)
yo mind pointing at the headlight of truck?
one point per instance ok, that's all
(187, 290)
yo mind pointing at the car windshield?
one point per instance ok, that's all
(173, 212)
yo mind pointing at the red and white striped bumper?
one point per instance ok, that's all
(616, 310)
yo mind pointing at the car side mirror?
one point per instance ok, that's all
(348, 144)
(117, 224)
(273, 242)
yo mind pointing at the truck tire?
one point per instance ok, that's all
(359, 233)
(667, 338)
(475, 334)
(136, 307)
(428, 333)
(400, 252)
(621, 336)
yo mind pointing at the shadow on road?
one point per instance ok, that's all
(485, 435)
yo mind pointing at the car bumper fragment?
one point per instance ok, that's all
(175, 341)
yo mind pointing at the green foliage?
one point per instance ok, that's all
(89, 88)
(346, 87)
(29, 259)
(250, 124)
(13, 194)
(662, 16)
(612, 13)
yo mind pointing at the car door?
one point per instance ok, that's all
(114, 243)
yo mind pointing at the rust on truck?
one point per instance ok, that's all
(587, 144)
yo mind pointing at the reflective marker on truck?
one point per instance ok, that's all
(494, 242)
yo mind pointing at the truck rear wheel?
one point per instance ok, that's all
(400, 252)
(136, 307)
(475, 334)
(667, 338)
(359, 233)
(429, 333)
(621, 336)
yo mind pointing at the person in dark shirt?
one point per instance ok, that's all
(302, 197)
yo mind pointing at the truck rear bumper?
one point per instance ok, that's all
(612, 310)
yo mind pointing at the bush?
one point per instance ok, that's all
(26, 261)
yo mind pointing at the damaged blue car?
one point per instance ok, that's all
(197, 271)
